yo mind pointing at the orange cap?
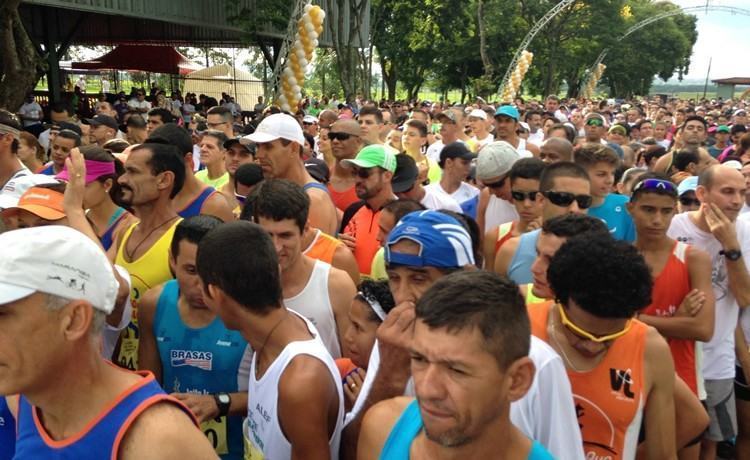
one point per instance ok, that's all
(45, 203)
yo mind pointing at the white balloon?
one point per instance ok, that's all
(309, 27)
(308, 7)
(292, 81)
(315, 43)
(322, 15)
(296, 89)
(303, 62)
(286, 107)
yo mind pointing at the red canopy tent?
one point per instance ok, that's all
(145, 58)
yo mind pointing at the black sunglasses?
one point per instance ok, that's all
(498, 184)
(687, 201)
(339, 136)
(363, 173)
(523, 196)
(566, 199)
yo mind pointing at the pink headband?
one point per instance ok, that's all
(94, 170)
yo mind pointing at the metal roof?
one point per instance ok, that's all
(733, 81)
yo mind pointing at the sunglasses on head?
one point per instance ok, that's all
(565, 199)
(240, 198)
(586, 335)
(498, 184)
(658, 185)
(687, 201)
(339, 136)
(594, 122)
(523, 196)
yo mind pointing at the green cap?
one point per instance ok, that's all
(372, 156)
(722, 129)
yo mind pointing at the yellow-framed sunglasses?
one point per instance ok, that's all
(586, 334)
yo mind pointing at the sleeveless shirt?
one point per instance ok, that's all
(203, 361)
(343, 200)
(264, 438)
(102, 436)
(519, 269)
(149, 270)
(671, 286)
(609, 399)
(194, 208)
(7, 431)
(504, 233)
(314, 304)
(323, 247)
(114, 221)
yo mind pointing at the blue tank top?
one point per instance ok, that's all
(100, 441)
(106, 238)
(408, 427)
(194, 208)
(317, 185)
(519, 269)
(7, 431)
(204, 361)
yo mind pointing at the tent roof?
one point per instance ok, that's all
(145, 58)
(733, 81)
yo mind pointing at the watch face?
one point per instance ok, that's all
(224, 398)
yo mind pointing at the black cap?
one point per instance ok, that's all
(70, 127)
(100, 120)
(455, 150)
(406, 173)
(236, 141)
(318, 169)
(249, 174)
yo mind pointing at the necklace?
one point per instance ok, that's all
(568, 361)
(131, 253)
(265, 341)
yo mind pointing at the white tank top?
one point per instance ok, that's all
(264, 439)
(314, 304)
(498, 212)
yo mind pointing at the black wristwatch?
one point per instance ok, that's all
(223, 401)
(732, 254)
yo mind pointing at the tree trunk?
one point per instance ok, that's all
(20, 64)
(486, 62)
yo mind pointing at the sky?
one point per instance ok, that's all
(723, 36)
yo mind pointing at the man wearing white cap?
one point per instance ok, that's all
(493, 167)
(56, 288)
(480, 128)
(279, 142)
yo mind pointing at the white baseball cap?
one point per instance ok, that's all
(277, 126)
(478, 113)
(15, 188)
(55, 260)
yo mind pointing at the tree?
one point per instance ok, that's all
(20, 64)
(346, 36)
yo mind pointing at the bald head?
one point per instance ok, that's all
(556, 149)
(326, 118)
(718, 175)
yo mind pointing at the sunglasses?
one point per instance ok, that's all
(658, 185)
(594, 122)
(687, 201)
(584, 334)
(240, 198)
(523, 196)
(307, 123)
(565, 199)
(363, 173)
(339, 136)
(498, 184)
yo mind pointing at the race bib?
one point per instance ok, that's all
(251, 452)
(216, 432)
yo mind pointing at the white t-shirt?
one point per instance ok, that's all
(482, 142)
(136, 104)
(105, 86)
(546, 413)
(745, 209)
(465, 192)
(434, 199)
(537, 138)
(718, 353)
(498, 212)
(33, 110)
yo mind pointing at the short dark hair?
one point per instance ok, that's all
(419, 125)
(570, 132)
(526, 168)
(248, 174)
(590, 154)
(400, 208)
(486, 301)
(165, 157)
(60, 107)
(370, 110)
(530, 113)
(225, 113)
(9, 119)
(695, 118)
(683, 158)
(165, 115)
(281, 199)
(218, 135)
(651, 175)
(376, 290)
(249, 272)
(615, 284)
(571, 224)
(192, 229)
(175, 135)
(560, 169)
(70, 135)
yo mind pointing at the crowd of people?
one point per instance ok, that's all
(529, 280)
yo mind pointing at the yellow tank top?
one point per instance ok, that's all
(149, 270)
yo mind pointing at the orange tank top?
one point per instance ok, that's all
(364, 227)
(609, 399)
(323, 247)
(504, 233)
(343, 200)
(670, 288)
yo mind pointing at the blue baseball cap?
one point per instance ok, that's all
(507, 111)
(687, 185)
(443, 242)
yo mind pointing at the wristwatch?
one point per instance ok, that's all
(223, 401)
(731, 254)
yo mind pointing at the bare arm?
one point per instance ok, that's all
(741, 351)
(167, 427)
(726, 232)
(307, 397)
(505, 256)
(216, 205)
(344, 259)
(148, 351)
(341, 291)
(322, 212)
(377, 425)
(660, 406)
(684, 325)
(533, 149)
